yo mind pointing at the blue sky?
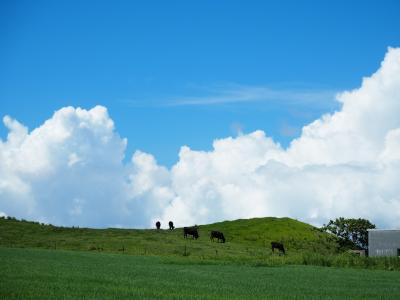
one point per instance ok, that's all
(175, 73)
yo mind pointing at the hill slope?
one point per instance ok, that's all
(246, 239)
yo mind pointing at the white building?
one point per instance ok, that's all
(383, 242)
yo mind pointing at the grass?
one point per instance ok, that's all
(246, 239)
(49, 274)
(248, 242)
(36, 263)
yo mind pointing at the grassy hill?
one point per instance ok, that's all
(247, 242)
(245, 239)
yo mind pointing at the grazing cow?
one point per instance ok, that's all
(158, 225)
(171, 225)
(190, 231)
(218, 235)
(279, 246)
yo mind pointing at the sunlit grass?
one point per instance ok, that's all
(248, 242)
(49, 274)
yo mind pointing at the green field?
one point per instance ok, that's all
(49, 274)
(246, 239)
(248, 242)
(41, 261)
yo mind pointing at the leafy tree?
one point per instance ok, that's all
(350, 232)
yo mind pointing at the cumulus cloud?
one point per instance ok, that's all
(343, 164)
(66, 171)
(70, 170)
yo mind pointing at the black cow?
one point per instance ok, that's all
(279, 246)
(158, 225)
(190, 231)
(171, 225)
(218, 235)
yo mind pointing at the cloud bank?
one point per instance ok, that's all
(71, 169)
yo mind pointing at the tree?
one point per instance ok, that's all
(350, 232)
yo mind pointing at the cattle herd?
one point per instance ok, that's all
(194, 233)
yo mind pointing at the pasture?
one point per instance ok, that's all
(49, 274)
(245, 239)
(248, 242)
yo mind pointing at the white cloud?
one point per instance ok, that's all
(343, 164)
(234, 93)
(74, 155)
(70, 170)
